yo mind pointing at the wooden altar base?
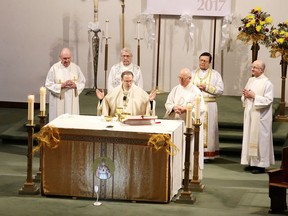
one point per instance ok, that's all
(196, 185)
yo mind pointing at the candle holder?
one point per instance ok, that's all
(138, 50)
(37, 177)
(186, 195)
(195, 184)
(106, 58)
(29, 187)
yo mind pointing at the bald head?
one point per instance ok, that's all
(184, 77)
(257, 68)
(65, 57)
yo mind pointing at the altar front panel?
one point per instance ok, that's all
(141, 173)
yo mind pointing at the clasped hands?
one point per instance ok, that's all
(69, 84)
(179, 109)
(248, 93)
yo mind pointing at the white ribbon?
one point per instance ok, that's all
(149, 21)
(187, 19)
(93, 26)
(225, 40)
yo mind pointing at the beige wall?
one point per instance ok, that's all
(33, 32)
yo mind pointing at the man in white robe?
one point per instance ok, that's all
(257, 99)
(175, 105)
(210, 82)
(133, 99)
(114, 77)
(65, 81)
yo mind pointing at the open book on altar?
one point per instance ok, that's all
(140, 120)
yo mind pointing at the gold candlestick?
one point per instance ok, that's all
(29, 188)
(37, 177)
(195, 184)
(186, 195)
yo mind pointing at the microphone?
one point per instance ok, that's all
(124, 98)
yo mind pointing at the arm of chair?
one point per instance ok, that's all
(276, 175)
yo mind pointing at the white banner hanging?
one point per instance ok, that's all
(193, 7)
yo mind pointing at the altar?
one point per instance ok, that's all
(137, 171)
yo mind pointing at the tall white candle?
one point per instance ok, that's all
(31, 108)
(189, 115)
(107, 29)
(42, 99)
(138, 30)
(197, 107)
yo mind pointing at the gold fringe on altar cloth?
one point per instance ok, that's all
(49, 136)
(159, 141)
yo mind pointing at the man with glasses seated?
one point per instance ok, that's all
(209, 81)
(133, 99)
(114, 77)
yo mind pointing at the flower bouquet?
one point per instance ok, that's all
(254, 26)
(278, 40)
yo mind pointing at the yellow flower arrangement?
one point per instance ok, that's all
(254, 26)
(278, 40)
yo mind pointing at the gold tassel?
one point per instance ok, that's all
(159, 141)
(49, 136)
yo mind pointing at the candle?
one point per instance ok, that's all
(30, 109)
(138, 30)
(43, 99)
(197, 107)
(106, 28)
(188, 115)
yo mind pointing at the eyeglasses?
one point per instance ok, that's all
(125, 56)
(204, 61)
(183, 78)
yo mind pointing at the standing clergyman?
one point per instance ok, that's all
(65, 81)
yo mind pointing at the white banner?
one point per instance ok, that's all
(193, 7)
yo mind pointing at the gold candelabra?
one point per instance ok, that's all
(29, 187)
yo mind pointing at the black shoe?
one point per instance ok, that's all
(249, 168)
(208, 161)
(258, 170)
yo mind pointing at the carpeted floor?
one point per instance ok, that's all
(228, 189)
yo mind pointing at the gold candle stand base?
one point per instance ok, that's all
(196, 185)
(186, 196)
(29, 187)
(281, 118)
(37, 177)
